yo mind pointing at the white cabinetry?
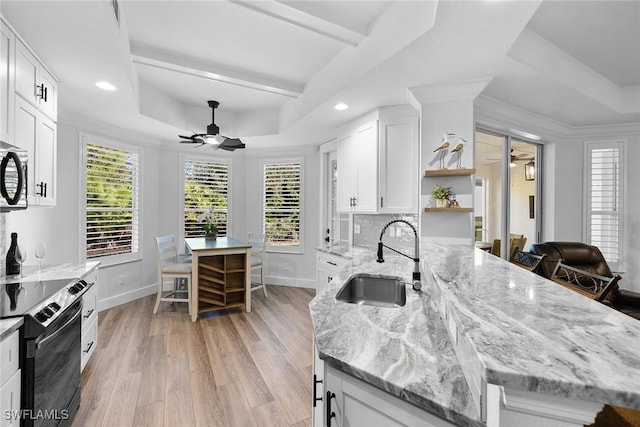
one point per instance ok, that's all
(378, 162)
(351, 402)
(34, 83)
(9, 380)
(28, 113)
(37, 134)
(89, 320)
(7, 67)
(327, 266)
(358, 168)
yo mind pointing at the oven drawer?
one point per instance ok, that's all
(10, 401)
(89, 340)
(9, 356)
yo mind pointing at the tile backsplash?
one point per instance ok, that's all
(398, 235)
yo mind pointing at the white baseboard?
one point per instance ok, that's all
(126, 297)
(287, 281)
(151, 289)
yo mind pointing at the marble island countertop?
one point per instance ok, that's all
(478, 320)
(528, 333)
(402, 350)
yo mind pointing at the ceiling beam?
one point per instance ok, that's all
(304, 20)
(216, 73)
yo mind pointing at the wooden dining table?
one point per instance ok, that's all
(221, 274)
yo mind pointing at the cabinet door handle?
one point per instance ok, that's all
(381, 201)
(86, 316)
(43, 189)
(41, 92)
(89, 347)
(355, 202)
(315, 386)
(331, 262)
(330, 413)
(329, 279)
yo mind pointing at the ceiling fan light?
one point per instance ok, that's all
(106, 86)
(219, 138)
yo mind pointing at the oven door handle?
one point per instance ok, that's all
(53, 335)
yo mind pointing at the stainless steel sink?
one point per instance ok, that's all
(382, 291)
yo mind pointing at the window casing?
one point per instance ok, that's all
(205, 186)
(604, 197)
(111, 181)
(282, 205)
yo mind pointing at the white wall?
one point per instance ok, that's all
(287, 269)
(59, 226)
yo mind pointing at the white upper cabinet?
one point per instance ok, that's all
(399, 161)
(34, 83)
(378, 162)
(7, 54)
(38, 134)
(358, 168)
(28, 114)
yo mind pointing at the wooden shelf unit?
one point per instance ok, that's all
(450, 172)
(449, 210)
(221, 282)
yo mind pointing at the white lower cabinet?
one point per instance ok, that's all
(89, 320)
(10, 380)
(327, 267)
(348, 401)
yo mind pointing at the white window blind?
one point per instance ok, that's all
(112, 209)
(205, 187)
(282, 203)
(604, 201)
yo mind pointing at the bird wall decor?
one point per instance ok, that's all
(457, 151)
(443, 148)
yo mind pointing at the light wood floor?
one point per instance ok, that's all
(229, 369)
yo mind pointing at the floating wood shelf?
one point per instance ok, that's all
(450, 172)
(449, 210)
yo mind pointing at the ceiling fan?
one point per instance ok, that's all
(522, 157)
(213, 137)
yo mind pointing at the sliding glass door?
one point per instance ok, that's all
(507, 198)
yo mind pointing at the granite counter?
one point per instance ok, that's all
(404, 351)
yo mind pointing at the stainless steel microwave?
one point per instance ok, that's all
(13, 177)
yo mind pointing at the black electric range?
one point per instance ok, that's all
(40, 302)
(49, 347)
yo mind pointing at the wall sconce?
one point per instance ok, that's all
(530, 171)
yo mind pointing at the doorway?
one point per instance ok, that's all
(508, 169)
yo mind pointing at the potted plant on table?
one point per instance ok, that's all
(441, 195)
(210, 219)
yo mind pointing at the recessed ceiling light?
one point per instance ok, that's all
(341, 106)
(106, 86)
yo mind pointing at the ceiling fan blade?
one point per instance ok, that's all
(232, 143)
(185, 137)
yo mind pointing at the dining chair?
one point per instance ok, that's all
(170, 267)
(258, 242)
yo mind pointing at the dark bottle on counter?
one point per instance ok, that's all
(13, 266)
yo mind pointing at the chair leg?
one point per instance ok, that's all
(189, 308)
(264, 285)
(159, 296)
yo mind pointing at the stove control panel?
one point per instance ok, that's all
(50, 309)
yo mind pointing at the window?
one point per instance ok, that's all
(604, 199)
(282, 213)
(111, 201)
(206, 187)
